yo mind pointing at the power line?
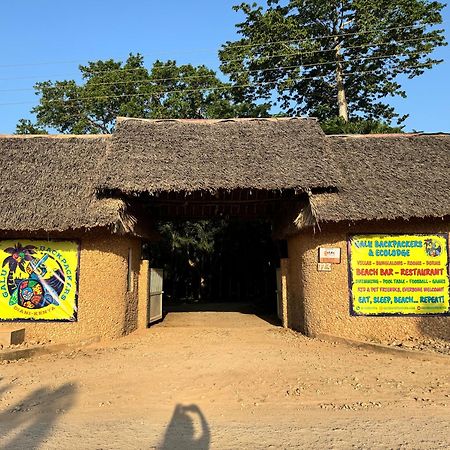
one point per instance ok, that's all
(269, 57)
(213, 75)
(298, 40)
(212, 88)
(374, 44)
(354, 33)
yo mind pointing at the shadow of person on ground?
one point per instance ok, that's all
(30, 422)
(182, 432)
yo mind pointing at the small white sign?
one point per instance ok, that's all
(324, 267)
(330, 255)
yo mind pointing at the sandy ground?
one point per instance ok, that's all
(228, 381)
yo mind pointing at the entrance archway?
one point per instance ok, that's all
(217, 265)
(218, 250)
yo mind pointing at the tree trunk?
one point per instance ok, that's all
(341, 97)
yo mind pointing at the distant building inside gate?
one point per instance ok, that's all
(364, 221)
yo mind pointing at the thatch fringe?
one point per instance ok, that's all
(127, 221)
(309, 215)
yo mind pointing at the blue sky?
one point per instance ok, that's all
(47, 39)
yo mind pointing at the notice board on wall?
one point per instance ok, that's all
(398, 274)
(39, 280)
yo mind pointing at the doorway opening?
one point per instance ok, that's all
(225, 265)
(216, 249)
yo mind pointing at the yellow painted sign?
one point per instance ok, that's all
(39, 280)
(399, 274)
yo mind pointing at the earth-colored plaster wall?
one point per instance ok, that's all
(319, 301)
(105, 308)
(284, 274)
(143, 294)
(132, 297)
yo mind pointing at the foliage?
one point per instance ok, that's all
(337, 125)
(25, 126)
(295, 50)
(18, 256)
(112, 88)
(215, 260)
(183, 252)
(191, 239)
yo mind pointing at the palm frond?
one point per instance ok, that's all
(9, 260)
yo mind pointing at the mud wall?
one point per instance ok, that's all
(144, 286)
(105, 308)
(319, 301)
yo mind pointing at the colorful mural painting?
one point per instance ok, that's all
(404, 274)
(39, 280)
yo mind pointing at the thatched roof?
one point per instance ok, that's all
(47, 183)
(181, 155)
(56, 183)
(388, 177)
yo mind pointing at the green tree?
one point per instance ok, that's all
(112, 88)
(185, 252)
(330, 58)
(337, 125)
(25, 126)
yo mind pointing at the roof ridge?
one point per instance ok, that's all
(54, 136)
(384, 135)
(214, 121)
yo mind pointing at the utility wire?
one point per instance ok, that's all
(308, 52)
(298, 40)
(213, 75)
(271, 56)
(354, 33)
(212, 88)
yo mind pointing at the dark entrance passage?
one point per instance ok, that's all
(217, 265)
(217, 248)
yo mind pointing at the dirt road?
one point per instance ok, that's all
(228, 381)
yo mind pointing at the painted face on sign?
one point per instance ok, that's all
(432, 248)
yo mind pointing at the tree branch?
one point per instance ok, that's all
(100, 126)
